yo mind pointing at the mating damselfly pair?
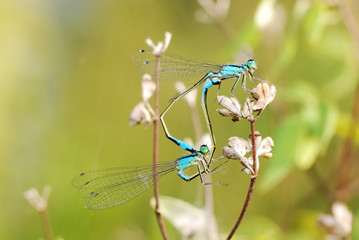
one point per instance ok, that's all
(110, 187)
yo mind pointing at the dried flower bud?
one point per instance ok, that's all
(267, 155)
(37, 201)
(239, 144)
(264, 148)
(231, 104)
(265, 95)
(339, 224)
(246, 163)
(156, 48)
(233, 107)
(168, 37)
(344, 218)
(160, 47)
(225, 112)
(148, 87)
(140, 115)
(247, 111)
(230, 153)
(239, 147)
(212, 10)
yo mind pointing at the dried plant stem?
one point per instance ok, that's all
(209, 210)
(244, 209)
(208, 191)
(155, 150)
(251, 185)
(348, 163)
(254, 153)
(351, 24)
(345, 186)
(46, 224)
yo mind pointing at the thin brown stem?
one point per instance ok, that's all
(254, 150)
(155, 150)
(211, 226)
(244, 208)
(46, 224)
(251, 185)
(209, 210)
(351, 24)
(347, 163)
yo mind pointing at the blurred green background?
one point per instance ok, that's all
(68, 86)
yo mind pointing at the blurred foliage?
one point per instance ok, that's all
(68, 86)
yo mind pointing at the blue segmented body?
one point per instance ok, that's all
(176, 67)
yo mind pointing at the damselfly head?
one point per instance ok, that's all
(204, 149)
(251, 64)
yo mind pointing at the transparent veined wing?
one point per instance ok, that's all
(113, 186)
(173, 67)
